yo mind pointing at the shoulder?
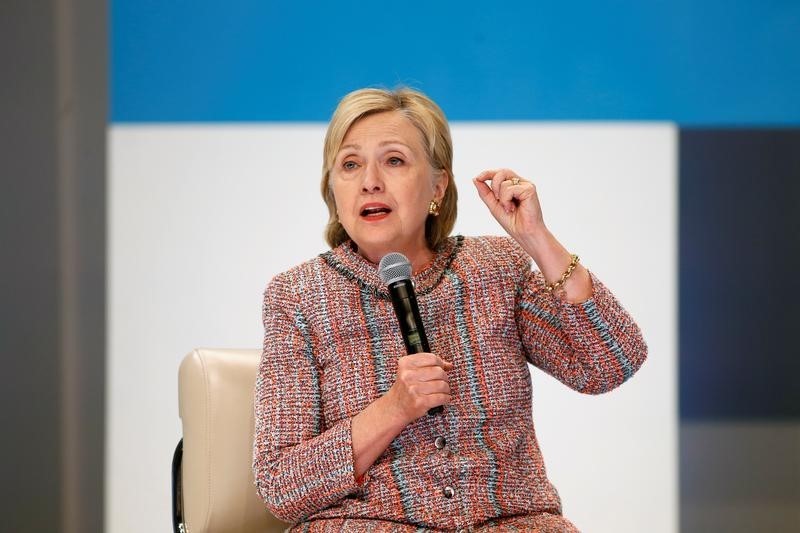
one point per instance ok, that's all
(291, 285)
(490, 251)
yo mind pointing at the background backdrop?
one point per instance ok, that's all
(726, 75)
(202, 217)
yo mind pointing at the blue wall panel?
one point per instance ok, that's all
(713, 62)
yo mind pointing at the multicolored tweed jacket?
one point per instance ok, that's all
(331, 347)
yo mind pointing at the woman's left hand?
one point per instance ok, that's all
(512, 200)
(514, 203)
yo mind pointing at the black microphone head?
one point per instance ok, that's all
(393, 267)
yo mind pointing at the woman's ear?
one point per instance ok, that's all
(441, 180)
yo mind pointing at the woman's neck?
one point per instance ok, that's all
(419, 257)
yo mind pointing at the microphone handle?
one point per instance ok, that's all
(405, 305)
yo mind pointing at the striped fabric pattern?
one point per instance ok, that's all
(331, 346)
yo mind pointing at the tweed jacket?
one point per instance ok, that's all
(331, 346)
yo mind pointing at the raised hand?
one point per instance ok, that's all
(512, 201)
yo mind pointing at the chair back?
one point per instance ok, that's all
(217, 494)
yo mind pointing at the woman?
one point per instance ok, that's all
(343, 437)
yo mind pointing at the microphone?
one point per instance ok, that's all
(394, 270)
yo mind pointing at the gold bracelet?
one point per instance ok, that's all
(567, 273)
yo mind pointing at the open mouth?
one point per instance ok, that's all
(375, 211)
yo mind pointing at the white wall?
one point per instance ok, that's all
(201, 217)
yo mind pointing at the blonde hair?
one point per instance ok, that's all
(432, 124)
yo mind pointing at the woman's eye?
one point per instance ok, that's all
(395, 161)
(349, 165)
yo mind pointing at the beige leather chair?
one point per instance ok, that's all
(213, 487)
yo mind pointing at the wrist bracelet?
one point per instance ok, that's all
(567, 273)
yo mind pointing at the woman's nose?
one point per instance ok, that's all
(373, 181)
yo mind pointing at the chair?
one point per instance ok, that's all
(212, 478)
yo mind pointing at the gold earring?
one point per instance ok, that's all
(433, 208)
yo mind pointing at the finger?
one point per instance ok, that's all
(486, 175)
(508, 191)
(429, 388)
(483, 188)
(419, 360)
(430, 401)
(491, 179)
(497, 180)
(501, 179)
(512, 194)
(423, 359)
(444, 364)
(431, 373)
(488, 197)
(441, 399)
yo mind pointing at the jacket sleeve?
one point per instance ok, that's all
(592, 347)
(300, 466)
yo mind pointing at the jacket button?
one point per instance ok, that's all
(440, 442)
(448, 492)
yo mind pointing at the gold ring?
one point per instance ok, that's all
(514, 181)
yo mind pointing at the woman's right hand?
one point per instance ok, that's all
(421, 384)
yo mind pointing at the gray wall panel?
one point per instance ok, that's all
(30, 386)
(53, 104)
(740, 476)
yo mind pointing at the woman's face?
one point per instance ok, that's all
(383, 183)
